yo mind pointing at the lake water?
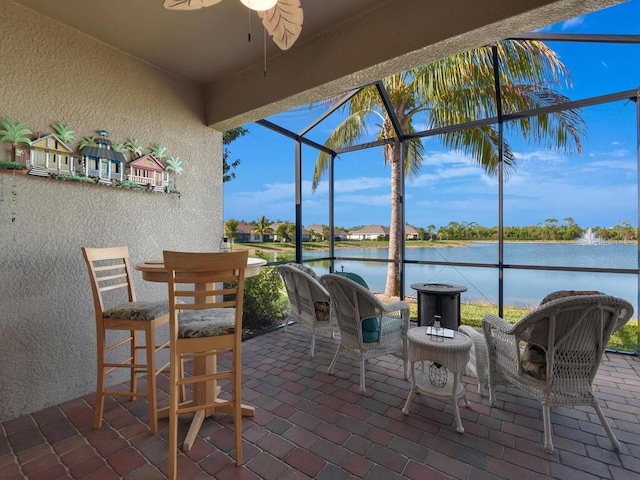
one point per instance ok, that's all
(521, 287)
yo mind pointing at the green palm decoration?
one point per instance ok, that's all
(119, 147)
(456, 90)
(134, 146)
(159, 151)
(174, 164)
(64, 132)
(88, 142)
(15, 133)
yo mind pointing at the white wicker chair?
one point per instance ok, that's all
(570, 335)
(309, 302)
(352, 304)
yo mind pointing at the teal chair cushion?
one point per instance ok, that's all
(370, 326)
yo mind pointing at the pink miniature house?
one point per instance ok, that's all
(147, 170)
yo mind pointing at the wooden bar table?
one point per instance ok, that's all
(154, 271)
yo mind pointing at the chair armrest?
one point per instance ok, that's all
(491, 321)
(395, 306)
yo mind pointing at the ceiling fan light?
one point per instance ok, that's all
(259, 5)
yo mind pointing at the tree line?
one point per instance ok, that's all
(549, 230)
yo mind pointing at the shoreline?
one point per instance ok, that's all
(289, 247)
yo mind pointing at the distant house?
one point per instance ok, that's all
(49, 154)
(245, 234)
(102, 161)
(319, 229)
(147, 170)
(370, 232)
(340, 234)
(411, 232)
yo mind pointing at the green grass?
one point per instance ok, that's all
(624, 340)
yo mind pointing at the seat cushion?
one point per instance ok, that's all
(370, 326)
(308, 270)
(138, 310)
(355, 277)
(206, 323)
(568, 293)
(370, 330)
(323, 312)
(534, 361)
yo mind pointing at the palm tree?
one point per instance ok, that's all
(430, 230)
(88, 142)
(14, 133)
(456, 90)
(134, 146)
(174, 164)
(262, 227)
(64, 132)
(325, 233)
(119, 147)
(158, 150)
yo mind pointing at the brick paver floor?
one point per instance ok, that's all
(309, 424)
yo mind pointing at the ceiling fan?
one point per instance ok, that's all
(281, 18)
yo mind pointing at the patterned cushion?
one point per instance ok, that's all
(568, 293)
(138, 310)
(534, 361)
(323, 311)
(305, 269)
(206, 323)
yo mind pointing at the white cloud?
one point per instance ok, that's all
(573, 22)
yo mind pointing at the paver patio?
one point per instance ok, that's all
(309, 424)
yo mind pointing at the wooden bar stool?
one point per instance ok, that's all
(205, 310)
(111, 283)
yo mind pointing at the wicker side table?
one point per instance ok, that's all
(451, 353)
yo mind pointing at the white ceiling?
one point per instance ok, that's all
(344, 43)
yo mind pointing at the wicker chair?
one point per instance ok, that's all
(309, 301)
(368, 327)
(553, 353)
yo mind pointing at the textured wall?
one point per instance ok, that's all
(49, 73)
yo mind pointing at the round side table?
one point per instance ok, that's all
(450, 353)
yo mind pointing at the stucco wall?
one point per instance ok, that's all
(51, 73)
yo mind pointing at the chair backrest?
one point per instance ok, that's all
(352, 305)
(217, 279)
(303, 291)
(574, 332)
(110, 276)
(355, 277)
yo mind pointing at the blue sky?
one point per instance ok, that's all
(596, 188)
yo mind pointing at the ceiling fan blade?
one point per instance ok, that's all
(188, 4)
(283, 22)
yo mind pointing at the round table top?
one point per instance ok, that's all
(418, 335)
(154, 271)
(443, 288)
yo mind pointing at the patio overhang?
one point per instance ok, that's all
(343, 45)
